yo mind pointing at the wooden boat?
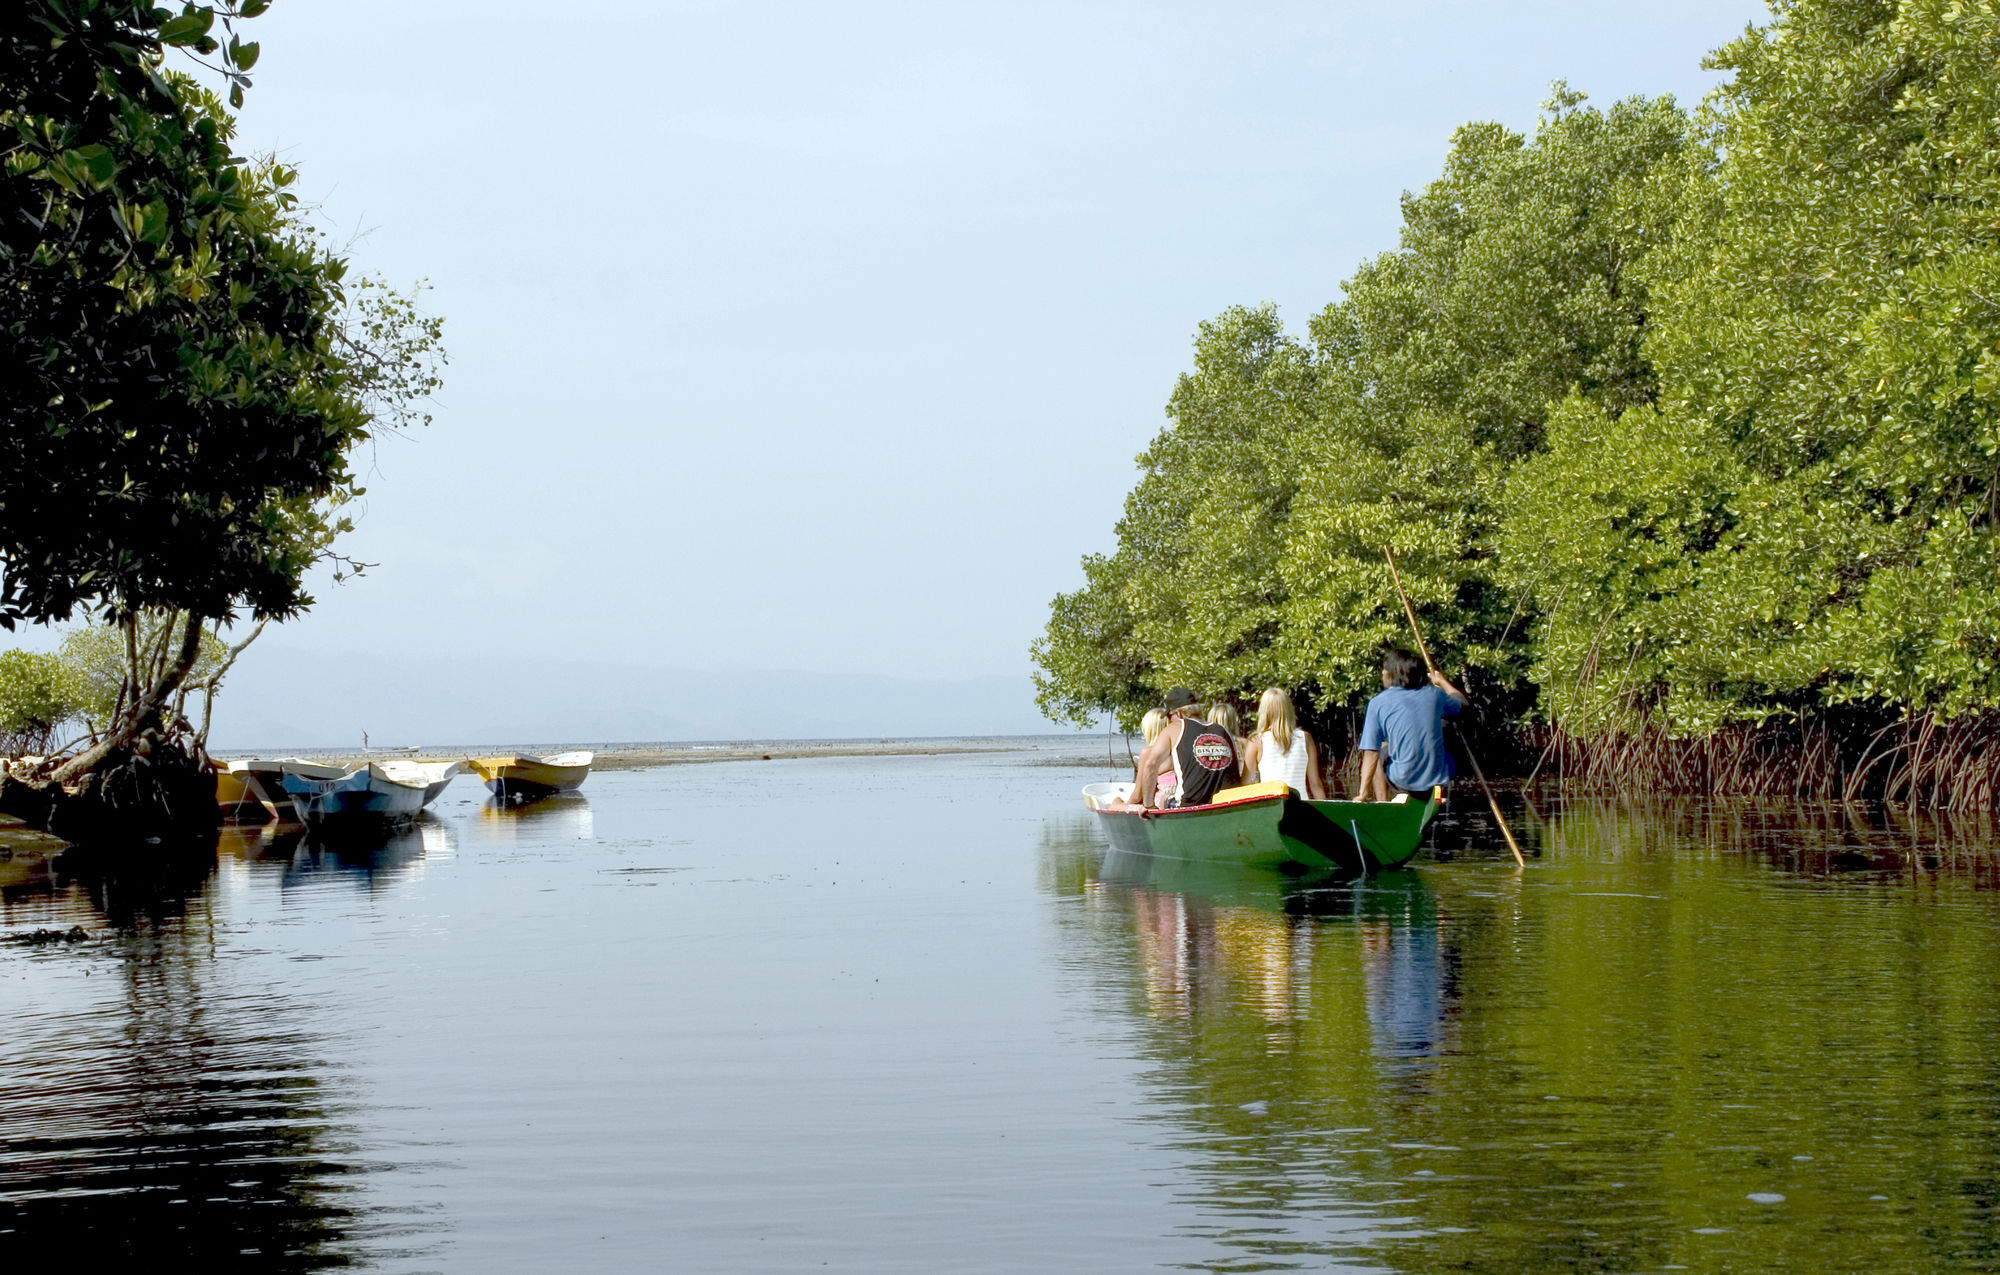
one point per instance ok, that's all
(1270, 826)
(251, 789)
(520, 778)
(387, 791)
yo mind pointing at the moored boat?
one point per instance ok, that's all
(1099, 796)
(385, 791)
(1270, 826)
(251, 789)
(523, 778)
(435, 776)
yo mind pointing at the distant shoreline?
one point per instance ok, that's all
(648, 756)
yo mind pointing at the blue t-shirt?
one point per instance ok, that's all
(1408, 728)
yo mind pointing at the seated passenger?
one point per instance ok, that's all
(1150, 725)
(1224, 714)
(1201, 755)
(1406, 721)
(1282, 750)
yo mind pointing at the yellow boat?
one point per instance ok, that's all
(252, 789)
(519, 778)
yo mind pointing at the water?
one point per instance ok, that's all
(906, 1014)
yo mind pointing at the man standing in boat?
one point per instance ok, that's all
(1201, 755)
(1402, 735)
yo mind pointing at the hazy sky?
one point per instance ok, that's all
(822, 336)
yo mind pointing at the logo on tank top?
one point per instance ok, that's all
(1213, 752)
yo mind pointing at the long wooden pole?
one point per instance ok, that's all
(1492, 802)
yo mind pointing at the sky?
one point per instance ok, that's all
(822, 337)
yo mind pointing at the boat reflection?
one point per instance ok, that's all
(1467, 1067)
(371, 855)
(563, 817)
(1279, 1024)
(1224, 944)
(253, 842)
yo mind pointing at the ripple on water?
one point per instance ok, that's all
(1663, 1045)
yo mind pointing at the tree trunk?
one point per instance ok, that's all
(155, 791)
(145, 709)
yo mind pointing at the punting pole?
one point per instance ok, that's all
(1491, 801)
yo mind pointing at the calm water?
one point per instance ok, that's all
(908, 1015)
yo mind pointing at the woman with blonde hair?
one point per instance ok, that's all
(1222, 713)
(1151, 725)
(1282, 750)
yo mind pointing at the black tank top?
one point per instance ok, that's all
(1205, 759)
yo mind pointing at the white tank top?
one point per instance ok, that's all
(1289, 766)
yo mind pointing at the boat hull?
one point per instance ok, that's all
(1284, 833)
(532, 778)
(510, 788)
(252, 789)
(1388, 833)
(373, 793)
(242, 798)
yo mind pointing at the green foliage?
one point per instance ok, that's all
(1676, 425)
(1203, 532)
(1088, 661)
(100, 667)
(1251, 550)
(1809, 517)
(1513, 288)
(1607, 530)
(184, 371)
(38, 693)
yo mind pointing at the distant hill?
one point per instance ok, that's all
(287, 696)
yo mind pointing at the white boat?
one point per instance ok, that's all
(435, 776)
(1103, 796)
(252, 788)
(390, 790)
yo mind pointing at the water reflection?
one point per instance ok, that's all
(372, 856)
(27, 862)
(1712, 1037)
(1215, 936)
(155, 1103)
(1725, 1036)
(1260, 940)
(134, 891)
(564, 817)
(1815, 839)
(1408, 975)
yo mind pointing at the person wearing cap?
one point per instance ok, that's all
(1201, 755)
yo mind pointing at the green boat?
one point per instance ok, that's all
(1277, 830)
